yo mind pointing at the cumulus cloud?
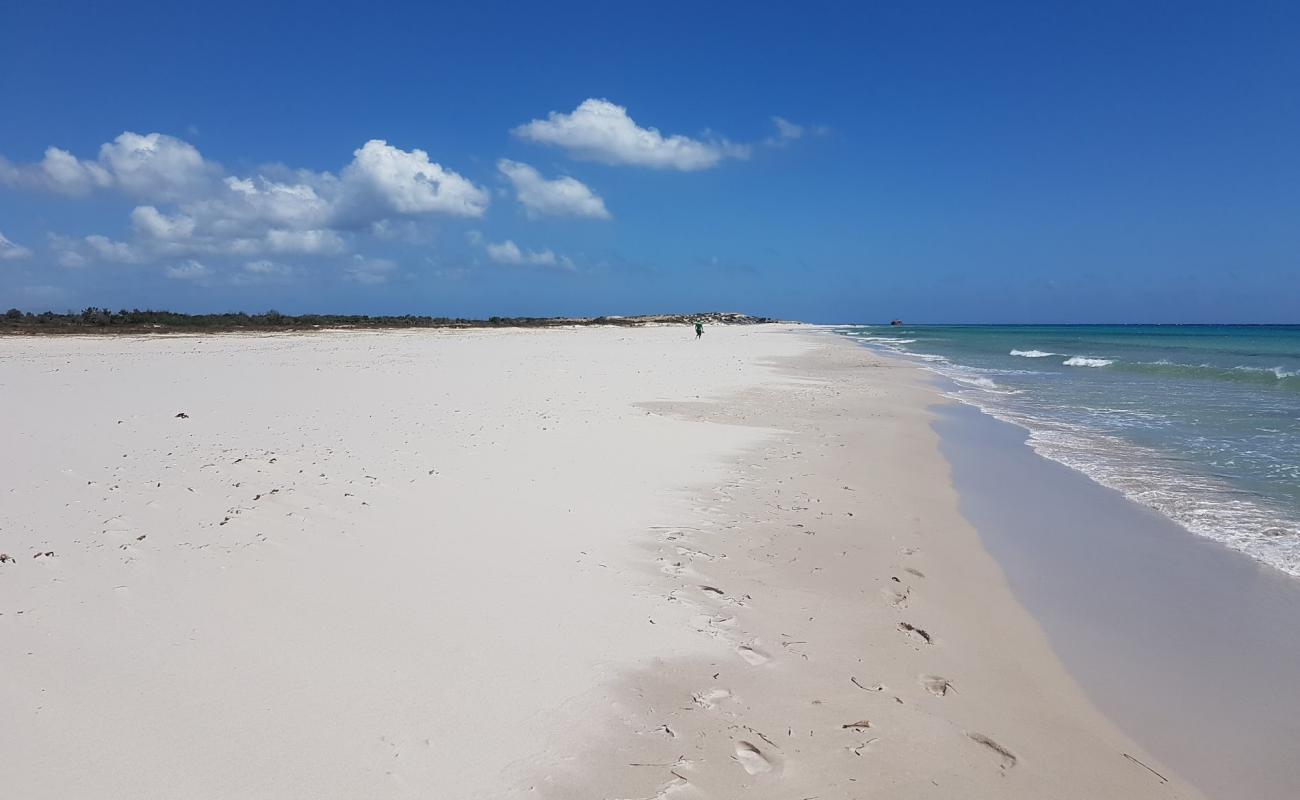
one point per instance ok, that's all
(11, 250)
(108, 250)
(152, 166)
(58, 171)
(194, 211)
(241, 202)
(407, 182)
(508, 252)
(149, 221)
(561, 197)
(598, 130)
(190, 270)
(156, 166)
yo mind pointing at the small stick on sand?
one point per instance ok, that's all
(1162, 778)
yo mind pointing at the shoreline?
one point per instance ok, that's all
(614, 563)
(835, 578)
(1186, 643)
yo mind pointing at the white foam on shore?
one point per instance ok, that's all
(1201, 504)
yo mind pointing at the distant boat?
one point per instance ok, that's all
(895, 322)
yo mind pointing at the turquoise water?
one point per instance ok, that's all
(1201, 423)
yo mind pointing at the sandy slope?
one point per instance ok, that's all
(470, 565)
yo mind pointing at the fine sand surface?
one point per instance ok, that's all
(599, 563)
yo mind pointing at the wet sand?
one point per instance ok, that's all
(1191, 647)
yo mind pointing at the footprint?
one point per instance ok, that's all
(916, 633)
(712, 624)
(936, 685)
(918, 573)
(710, 698)
(1007, 757)
(897, 599)
(753, 656)
(752, 759)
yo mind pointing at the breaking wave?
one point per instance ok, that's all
(1033, 353)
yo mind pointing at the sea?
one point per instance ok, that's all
(1199, 422)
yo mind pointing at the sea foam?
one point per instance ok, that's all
(1087, 361)
(1033, 353)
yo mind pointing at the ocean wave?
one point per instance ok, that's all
(977, 381)
(1033, 353)
(1203, 505)
(1265, 376)
(885, 340)
(1088, 361)
(1280, 373)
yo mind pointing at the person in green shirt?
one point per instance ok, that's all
(699, 330)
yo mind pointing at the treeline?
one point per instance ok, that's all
(105, 320)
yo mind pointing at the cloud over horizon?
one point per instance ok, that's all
(188, 218)
(508, 252)
(195, 210)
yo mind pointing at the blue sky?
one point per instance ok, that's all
(1008, 162)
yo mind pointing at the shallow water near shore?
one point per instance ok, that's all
(1190, 647)
(1200, 422)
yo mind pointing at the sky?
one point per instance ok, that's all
(935, 162)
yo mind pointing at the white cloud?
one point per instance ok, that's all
(11, 250)
(599, 130)
(260, 200)
(397, 181)
(58, 171)
(153, 166)
(156, 166)
(562, 197)
(190, 270)
(785, 129)
(64, 172)
(508, 252)
(149, 221)
(408, 231)
(787, 132)
(196, 212)
(108, 250)
(66, 251)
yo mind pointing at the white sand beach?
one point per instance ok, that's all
(587, 563)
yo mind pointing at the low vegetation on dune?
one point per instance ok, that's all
(103, 320)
